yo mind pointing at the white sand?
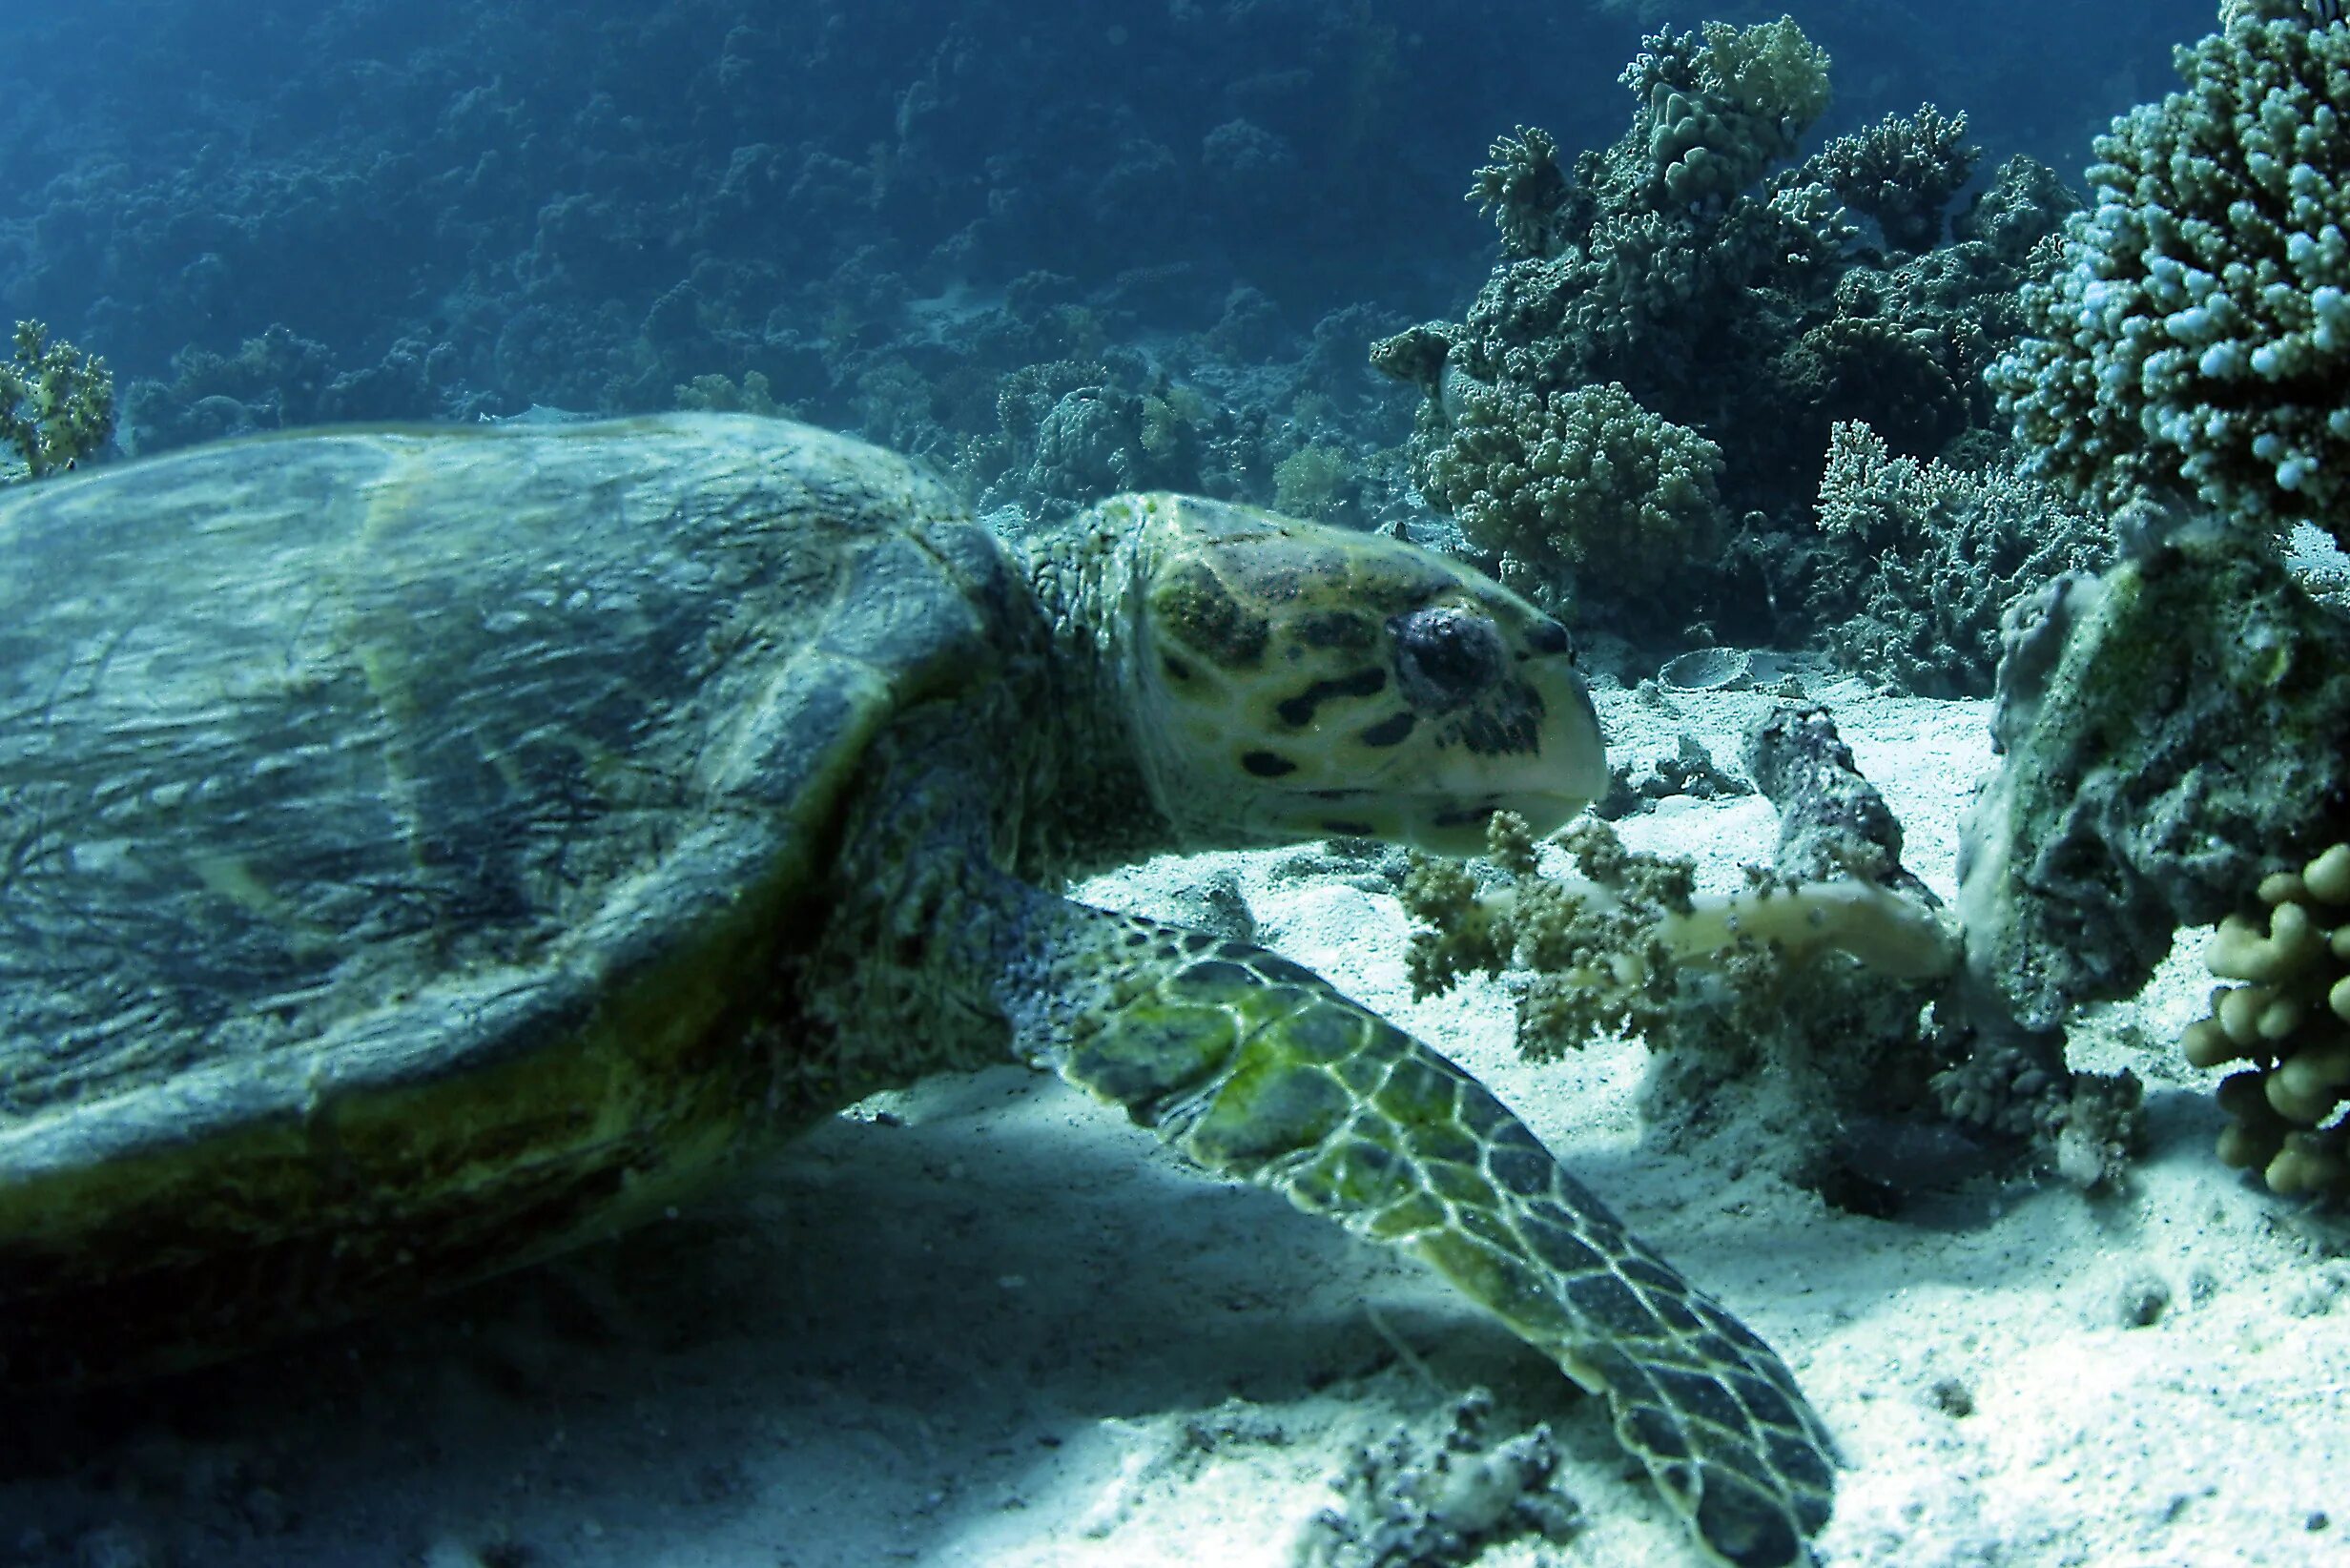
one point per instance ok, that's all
(1008, 1330)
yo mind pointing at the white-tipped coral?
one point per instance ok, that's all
(2289, 1020)
(2198, 335)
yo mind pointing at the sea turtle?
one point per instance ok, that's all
(427, 848)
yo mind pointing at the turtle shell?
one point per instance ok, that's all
(406, 835)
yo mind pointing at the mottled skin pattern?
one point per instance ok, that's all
(474, 838)
(1256, 1069)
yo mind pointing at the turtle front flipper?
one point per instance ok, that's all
(1255, 1067)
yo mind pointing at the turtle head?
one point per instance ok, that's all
(1289, 680)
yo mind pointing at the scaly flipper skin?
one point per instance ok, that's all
(1254, 1068)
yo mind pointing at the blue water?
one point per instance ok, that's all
(456, 210)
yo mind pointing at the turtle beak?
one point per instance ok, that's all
(1576, 752)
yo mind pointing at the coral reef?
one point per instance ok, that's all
(885, 213)
(2197, 335)
(1576, 482)
(1314, 481)
(1606, 949)
(1806, 984)
(718, 188)
(1901, 172)
(2086, 1126)
(1724, 104)
(2287, 1020)
(1919, 559)
(56, 403)
(1710, 297)
(278, 380)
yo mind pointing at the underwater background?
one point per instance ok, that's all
(1745, 389)
(276, 212)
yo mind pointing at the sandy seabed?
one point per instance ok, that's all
(987, 1322)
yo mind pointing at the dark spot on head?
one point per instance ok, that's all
(1337, 629)
(1510, 724)
(1389, 731)
(1176, 670)
(1298, 711)
(1445, 657)
(1197, 941)
(1195, 609)
(1350, 829)
(1266, 764)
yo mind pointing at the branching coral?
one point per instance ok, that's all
(721, 394)
(1903, 172)
(2087, 1126)
(1068, 432)
(1315, 481)
(1605, 953)
(1653, 235)
(1851, 365)
(2288, 1021)
(1723, 103)
(56, 403)
(2265, 11)
(1584, 479)
(1523, 190)
(1917, 560)
(2024, 204)
(1674, 270)
(1806, 986)
(2199, 337)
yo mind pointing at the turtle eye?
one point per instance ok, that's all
(1445, 657)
